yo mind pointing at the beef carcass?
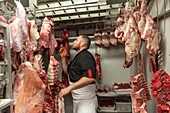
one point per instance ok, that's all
(105, 37)
(97, 36)
(31, 95)
(98, 66)
(113, 40)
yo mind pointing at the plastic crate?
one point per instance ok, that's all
(123, 104)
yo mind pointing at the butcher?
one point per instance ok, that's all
(82, 74)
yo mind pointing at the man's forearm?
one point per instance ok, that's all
(64, 65)
(81, 83)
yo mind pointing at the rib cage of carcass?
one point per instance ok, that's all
(139, 93)
(160, 85)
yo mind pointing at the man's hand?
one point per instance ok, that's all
(64, 92)
(63, 52)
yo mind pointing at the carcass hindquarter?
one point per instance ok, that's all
(31, 95)
(21, 14)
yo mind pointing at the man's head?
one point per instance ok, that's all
(81, 42)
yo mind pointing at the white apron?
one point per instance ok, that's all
(84, 99)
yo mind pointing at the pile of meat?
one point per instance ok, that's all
(160, 85)
(139, 93)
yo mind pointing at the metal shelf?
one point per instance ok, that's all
(113, 94)
(5, 103)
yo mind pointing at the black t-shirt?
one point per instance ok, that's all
(83, 65)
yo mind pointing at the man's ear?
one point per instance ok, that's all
(82, 44)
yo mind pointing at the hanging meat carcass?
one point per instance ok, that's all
(65, 45)
(48, 104)
(105, 37)
(31, 95)
(18, 28)
(112, 38)
(21, 14)
(16, 34)
(45, 32)
(97, 36)
(132, 41)
(98, 66)
(119, 31)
